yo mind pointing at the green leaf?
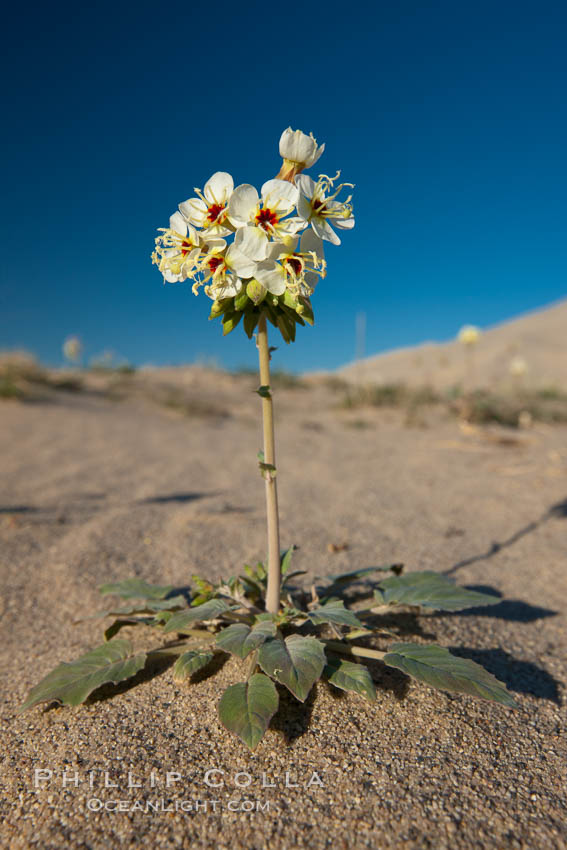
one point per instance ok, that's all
(241, 640)
(350, 677)
(286, 557)
(149, 606)
(207, 611)
(287, 578)
(431, 590)
(334, 612)
(345, 578)
(115, 627)
(263, 392)
(296, 662)
(189, 663)
(136, 588)
(72, 682)
(435, 666)
(247, 708)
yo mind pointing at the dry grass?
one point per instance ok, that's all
(513, 408)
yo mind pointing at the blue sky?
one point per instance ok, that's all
(450, 118)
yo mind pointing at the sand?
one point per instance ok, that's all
(95, 490)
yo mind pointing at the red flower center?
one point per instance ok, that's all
(186, 246)
(215, 212)
(214, 263)
(295, 265)
(266, 219)
(319, 206)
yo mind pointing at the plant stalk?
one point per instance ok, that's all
(274, 565)
(361, 651)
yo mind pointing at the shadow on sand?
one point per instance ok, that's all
(556, 511)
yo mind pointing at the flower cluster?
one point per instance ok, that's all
(258, 252)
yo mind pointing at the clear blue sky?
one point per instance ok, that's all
(450, 117)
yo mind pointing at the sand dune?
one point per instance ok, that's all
(538, 338)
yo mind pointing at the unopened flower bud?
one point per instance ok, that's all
(241, 300)
(256, 292)
(217, 309)
(299, 151)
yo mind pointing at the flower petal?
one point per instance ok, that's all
(290, 226)
(272, 276)
(279, 192)
(311, 242)
(219, 188)
(344, 223)
(229, 288)
(242, 204)
(323, 229)
(239, 262)
(194, 210)
(305, 184)
(252, 241)
(316, 155)
(304, 208)
(178, 223)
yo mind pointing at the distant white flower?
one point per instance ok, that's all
(518, 366)
(177, 250)
(72, 349)
(318, 209)
(265, 215)
(299, 151)
(287, 268)
(209, 210)
(469, 335)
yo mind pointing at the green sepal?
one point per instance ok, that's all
(250, 321)
(229, 322)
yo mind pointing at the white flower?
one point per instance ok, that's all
(222, 270)
(266, 216)
(298, 151)
(287, 268)
(317, 208)
(209, 210)
(177, 250)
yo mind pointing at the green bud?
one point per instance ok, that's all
(256, 292)
(241, 300)
(220, 307)
(289, 300)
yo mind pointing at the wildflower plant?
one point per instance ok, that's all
(258, 256)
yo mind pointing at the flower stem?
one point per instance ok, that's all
(274, 566)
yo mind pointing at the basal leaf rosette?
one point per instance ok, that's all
(257, 253)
